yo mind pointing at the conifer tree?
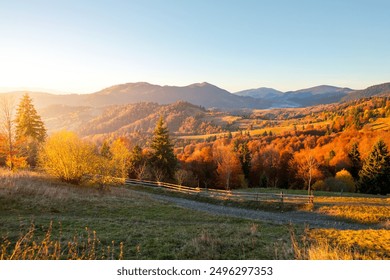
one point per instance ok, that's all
(137, 163)
(354, 157)
(163, 158)
(375, 174)
(28, 122)
(245, 158)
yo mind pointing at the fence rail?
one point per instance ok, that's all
(223, 194)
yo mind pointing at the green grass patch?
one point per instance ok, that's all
(149, 229)
(272, 206)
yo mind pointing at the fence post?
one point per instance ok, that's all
(281, 197)
(311, 198)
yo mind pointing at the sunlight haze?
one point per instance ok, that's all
(83, 47)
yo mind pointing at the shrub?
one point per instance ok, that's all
(67, 157)
(319, 186)
(342, 182)
(346, 177)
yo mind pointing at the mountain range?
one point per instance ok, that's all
(134, 108)
(205, 95)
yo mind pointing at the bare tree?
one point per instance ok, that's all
(7, 107)
(182, 176)
(158, 174)
(311, 163)
(140, 171)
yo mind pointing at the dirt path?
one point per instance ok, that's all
(311, 219)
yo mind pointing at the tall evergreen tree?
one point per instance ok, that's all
(245, 158)
(28, 122)
(163, 159)
(375, 174)
(354, 157)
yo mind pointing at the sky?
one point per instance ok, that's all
(85, 46)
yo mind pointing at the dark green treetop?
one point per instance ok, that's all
(375, 173)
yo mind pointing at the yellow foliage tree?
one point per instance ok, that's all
(120, 161)
(346, 177)
(67, 157)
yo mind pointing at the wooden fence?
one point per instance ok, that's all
(226, 195)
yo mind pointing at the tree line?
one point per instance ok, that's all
(313, 159)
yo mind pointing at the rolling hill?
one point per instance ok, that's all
(205, 95)
(181, 117)
(262, 92)
(135, 107)
(202, 94)
(301, 98)
(376, 90)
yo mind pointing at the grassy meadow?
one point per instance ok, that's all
(148, 229)
(354, 207)
(42, 218)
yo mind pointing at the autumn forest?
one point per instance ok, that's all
(341, 149)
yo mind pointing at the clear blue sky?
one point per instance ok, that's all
(83, 46)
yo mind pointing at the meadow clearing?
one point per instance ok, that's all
(42, 218)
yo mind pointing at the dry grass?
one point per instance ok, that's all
(367, 214)
(353, 198)
(82, 247)
(30, 184)
(331, 244)
(149, 229)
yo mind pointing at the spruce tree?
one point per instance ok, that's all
(375, 174)
(28, 122)
(163, 158)
(354, 157)
(245, 158)
(137, 160)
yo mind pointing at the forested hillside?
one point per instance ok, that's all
(327, 147)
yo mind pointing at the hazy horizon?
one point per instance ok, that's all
(59, 92)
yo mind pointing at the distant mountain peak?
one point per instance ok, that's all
(203, 84)
(323, 89)
(261, 92)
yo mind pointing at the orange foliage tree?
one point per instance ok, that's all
(306, 166)
(229, 168)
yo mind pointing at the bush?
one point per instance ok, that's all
(67, 157)
(319, 186)
(335, 185)
(342, 182)
(346, 177)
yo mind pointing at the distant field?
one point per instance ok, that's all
(277, 129)
(321, 194)
(380, 124)
(362, 208)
